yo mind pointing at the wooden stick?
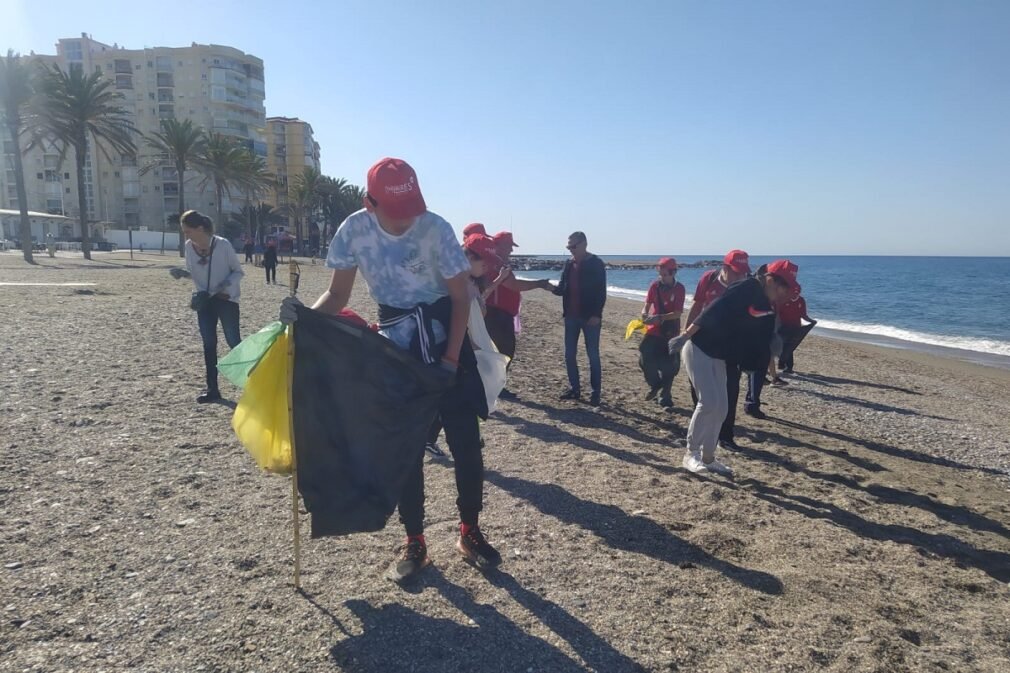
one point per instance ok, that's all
(292, 274)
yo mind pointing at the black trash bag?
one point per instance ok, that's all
(362, 409)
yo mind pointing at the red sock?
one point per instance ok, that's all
(464, 528)
(419, 538)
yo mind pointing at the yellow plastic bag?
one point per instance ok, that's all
(261, 420)
(635, 325)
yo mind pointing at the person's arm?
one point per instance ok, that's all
(562, 286)
(460, 295)
(230, 286)
(335, 299)
(517, 285)
(599, 282)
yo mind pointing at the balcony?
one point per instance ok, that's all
(165, 96)
(166, 79)
(123, 66)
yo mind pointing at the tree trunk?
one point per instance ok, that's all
(80, 152)
(220, 207)
(180, 168)
(19, 178)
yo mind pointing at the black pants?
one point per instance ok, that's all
(658, 366)
(726, 432)
(462, 434)
(248, 256)
(207, 318)
(791, 338)
(501, 327)
(271, 270)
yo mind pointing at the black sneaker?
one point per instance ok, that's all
(413, 559)
(208, 396)
(571, 395)
(729, 444)
(756, 413)
(594, 401)
(432, 448)
(651, 395)
(666, 404)
(476, 549)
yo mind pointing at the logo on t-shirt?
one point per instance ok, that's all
(413, 263)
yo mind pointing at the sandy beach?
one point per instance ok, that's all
(867, 527)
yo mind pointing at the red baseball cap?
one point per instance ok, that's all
(393, 186)
(738, 260)
(668, 263)
(474, 228)
(786, 270)
(482, 245)
(503, 237)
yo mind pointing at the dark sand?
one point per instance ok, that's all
(867, 527)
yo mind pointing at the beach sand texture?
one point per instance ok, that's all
(867, 528)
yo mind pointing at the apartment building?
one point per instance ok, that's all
(220, 88)
(291, 147)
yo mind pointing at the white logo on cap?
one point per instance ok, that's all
(401, 189)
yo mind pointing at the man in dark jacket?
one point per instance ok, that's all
(737, 327)
(583, 292)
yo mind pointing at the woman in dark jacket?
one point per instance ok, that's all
(583, 292)
(270, 262)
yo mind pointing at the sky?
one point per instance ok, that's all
(670, 127)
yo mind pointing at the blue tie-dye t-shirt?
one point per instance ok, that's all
(401, 271)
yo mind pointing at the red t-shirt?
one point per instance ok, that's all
(709, 289)
(791, 311)
(574, 298)
(502, 298)
(665, 299)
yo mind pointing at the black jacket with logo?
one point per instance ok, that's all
(738, 326)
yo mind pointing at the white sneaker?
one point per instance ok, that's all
(692, 462)
(718, 468)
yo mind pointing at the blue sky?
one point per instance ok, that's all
(803, 127)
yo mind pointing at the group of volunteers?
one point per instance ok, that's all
(411, 260)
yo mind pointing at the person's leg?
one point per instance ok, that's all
(592, 334)
(647, 361)
(266, 270)
(727, 432)
(273, 274)
(435, 430)
(411, 504)
(572, 328)
(207, 320)
(228, 313)
(670, 366)
(462, 434)
(755, 384)
(707, 375)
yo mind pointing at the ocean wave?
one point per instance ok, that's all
(976, 344)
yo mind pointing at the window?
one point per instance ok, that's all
(66, 176)
(123, 65)
(151, 95)
(39, 176)
(116, 174)
(68, 190)
(164, 63)
(157, 188)
(124, 82)
(54, 206)
(165, 79)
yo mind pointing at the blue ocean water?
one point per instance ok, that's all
(952, 302)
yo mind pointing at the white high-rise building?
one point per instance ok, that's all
(220, 88)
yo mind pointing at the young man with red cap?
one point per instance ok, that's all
(711, 286)
(411, 259)
(664, 304)
(791, 314)
(504, 301)
(473, 228)
(737, 327)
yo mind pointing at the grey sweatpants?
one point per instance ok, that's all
(708, 376)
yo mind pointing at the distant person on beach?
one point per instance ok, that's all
(270, 262)
(737, 327)
(411, 260)
(504, 301)
(583, 292)
(249, 247)
(472, 229)
(664, 304)
(216, 273)
(711, 286)
(791, 313)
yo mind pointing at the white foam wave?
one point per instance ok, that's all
(976, 344)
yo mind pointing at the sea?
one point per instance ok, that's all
(949, 306)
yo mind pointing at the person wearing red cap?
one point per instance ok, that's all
(664, 304)
(737, 327)
(504, 301)
(711, 286)
(474, 228)
(791, 314)
(414, 265)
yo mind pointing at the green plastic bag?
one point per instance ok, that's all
(240, 362)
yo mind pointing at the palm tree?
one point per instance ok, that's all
(71, 108)
(254, 179)
(331, 203)
(179, 143)
(303, 199)
(221, 161)
(15, 95)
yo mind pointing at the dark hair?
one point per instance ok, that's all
(197, 220)
(579, 236)
(778, 280)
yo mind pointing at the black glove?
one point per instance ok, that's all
(675, 344)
